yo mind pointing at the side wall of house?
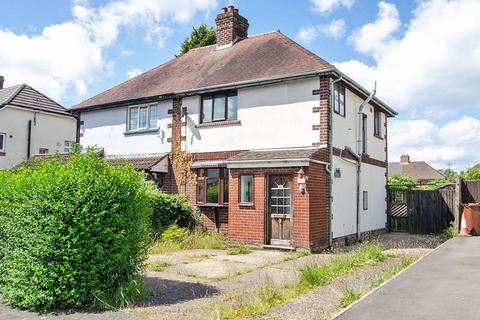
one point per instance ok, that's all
(373, 171)
(49, 131)
(107, 129)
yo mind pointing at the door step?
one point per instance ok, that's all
(270, 246)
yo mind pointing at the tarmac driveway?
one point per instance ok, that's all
(443, 285)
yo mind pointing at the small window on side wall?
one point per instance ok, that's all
(43, 151)
(339, 99)
(377, 129)
(246, 189)
(2, 142)
(365, 200)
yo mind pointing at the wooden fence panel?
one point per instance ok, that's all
(470, 191)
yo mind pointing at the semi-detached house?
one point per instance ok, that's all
(286, 150)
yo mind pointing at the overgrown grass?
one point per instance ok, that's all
(125, 296)
(193, 240)
(448, 234)
(348, 297)
(389, 273)
(315, 275)
(158, 266)
(241, 249)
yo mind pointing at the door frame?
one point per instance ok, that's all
(267, 231)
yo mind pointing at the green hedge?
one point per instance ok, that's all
(170, 209)
(72, 233)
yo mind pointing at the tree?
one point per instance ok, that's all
(201, 36)
(472, 174)
(398, 181)
(450, 175)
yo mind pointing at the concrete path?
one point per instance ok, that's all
(443, 285)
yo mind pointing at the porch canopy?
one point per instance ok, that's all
(156, 162)
(276, 158)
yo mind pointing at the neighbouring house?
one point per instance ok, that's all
(276, 146)
(31, 124)
(419, 170)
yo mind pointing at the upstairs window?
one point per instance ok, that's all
(2, 142)
(339, 99)
(219, 107)
(143, 118)
(68, 147)
(377, 131)
(212, 186)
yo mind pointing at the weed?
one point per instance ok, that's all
(318, 275)
(389, 273)
(241, 249)
(125, 296)
(349, 296)
(193, 240)
(158, 266)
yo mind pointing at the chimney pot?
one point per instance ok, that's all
(2, 79)
(231, 26)
(404, 159)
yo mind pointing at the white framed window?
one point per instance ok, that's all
(339, 99)
(3, 138)
(246, 189)
(143, 117)
(377, 129)
(68, 146)
(43, 151)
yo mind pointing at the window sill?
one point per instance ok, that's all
(378, 137)
(212, 205)
(219, 124)
(142, 131)
(246, 205)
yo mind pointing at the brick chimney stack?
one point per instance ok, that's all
(231, 26)
(2, 79)
(404, 159)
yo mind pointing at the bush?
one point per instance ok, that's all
(73, 234)
(169, 209)
(175, 233)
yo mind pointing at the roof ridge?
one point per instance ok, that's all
(46, 97)
(15, 93)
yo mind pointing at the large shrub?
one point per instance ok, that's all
(170, 209)
(72, 233)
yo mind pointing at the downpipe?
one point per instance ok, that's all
(360, 153)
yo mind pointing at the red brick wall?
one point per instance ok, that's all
(318, 190)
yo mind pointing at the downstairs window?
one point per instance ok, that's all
(212, 186)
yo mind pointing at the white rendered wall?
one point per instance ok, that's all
(48, 131)
(274, 116)
(372, 177)
(106, 129)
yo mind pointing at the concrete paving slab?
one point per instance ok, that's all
(443, 285)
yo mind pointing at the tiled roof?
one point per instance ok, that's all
(140, 161)
(26, 97)
(419, 170)
(258, 57)
(276, 154)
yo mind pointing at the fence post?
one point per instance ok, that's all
(458, 202)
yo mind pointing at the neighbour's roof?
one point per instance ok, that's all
(139, 161)
(419, 170)
(25, 96)
(276, 154)
(256, 57)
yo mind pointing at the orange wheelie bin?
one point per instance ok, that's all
(475, 207)
(467, 220)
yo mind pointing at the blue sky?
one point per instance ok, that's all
(422, 54)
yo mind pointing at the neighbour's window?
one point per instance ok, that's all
(339, 99)
(212, 186)
(2, 142)
(376, 123)
(43, 151)
(365, 200)
(219, 107)
(142, 118)
(246, 189)
(68, 147)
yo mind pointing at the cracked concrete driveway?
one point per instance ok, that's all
(443, 285)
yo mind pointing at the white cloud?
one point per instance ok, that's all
(132, 73)
(372, 37)
(336, 29)
(326, 6)
(456, 143)
(434, 67)
(126, 52)
(69, 55)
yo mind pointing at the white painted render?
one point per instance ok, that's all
(106, 129)
(372, 177)
(274, 116)
(48, 131)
